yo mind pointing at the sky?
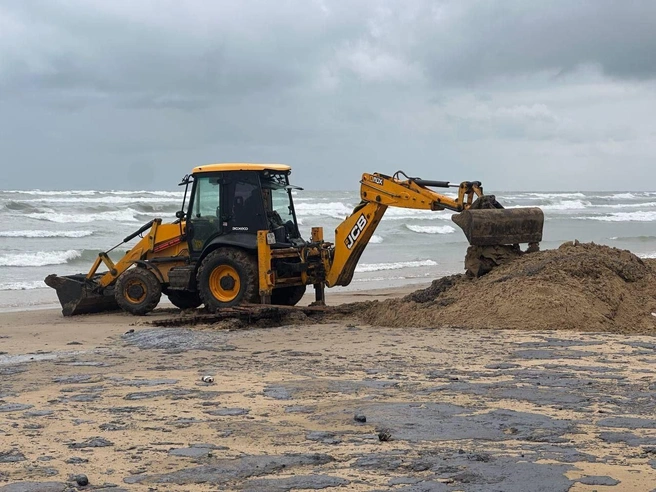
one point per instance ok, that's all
(557, 95)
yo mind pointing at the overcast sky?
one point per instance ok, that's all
(522, 95)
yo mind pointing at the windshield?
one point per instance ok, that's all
(278, 201)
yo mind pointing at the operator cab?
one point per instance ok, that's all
(230, 203)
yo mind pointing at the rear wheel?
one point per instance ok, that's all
(228, 277)
(138, 291)
(184, 299)
(288, 296)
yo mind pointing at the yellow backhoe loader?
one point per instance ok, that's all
(236, 240)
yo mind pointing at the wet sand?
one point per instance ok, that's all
(458, 410)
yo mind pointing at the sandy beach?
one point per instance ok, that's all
(122, 402)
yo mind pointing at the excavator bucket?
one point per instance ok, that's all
(77, 295)
(496, 226)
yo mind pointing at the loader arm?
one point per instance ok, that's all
(377, 192)
(483, 220)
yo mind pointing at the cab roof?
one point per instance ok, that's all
(240, 166)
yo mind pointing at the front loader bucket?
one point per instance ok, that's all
(77, 295)
(494, 226)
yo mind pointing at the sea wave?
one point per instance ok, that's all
(376, 239)
(336, 210)
(341, 210)
(644, 239)
(411, 214)
(94, 192)
(376, 267)
(647, 255)
(624, 217)
(446, 229)
(550, 196)
(125, 215)
(101, 200)
(38, 258)
(35, 284)
(40, 233)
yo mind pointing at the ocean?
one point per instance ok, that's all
(43, 232)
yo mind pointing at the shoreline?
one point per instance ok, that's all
(124, 404)
(45, 299)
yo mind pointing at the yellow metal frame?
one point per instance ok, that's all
(378, 192)
(161, 241)
(393, 192)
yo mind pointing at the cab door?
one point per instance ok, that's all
(204, 219)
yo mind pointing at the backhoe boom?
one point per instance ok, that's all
(484, 223)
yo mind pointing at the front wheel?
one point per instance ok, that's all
(138, 291)
(228, 277)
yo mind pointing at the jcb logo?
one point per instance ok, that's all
(356, 231)
(377, 180)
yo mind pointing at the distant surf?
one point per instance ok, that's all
(45, 232)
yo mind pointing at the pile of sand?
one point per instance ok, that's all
(577, 286)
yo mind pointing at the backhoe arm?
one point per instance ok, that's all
(378, 192)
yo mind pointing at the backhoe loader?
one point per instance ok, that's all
(236, 240)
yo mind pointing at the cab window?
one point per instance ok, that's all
(207, 201)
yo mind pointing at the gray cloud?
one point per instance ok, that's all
(517, 94)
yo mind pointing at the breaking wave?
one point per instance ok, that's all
(647, 255)
(376, 239)
(336, 210)
(125, 215)
(38, 233)
(35, 284)
(341, 210)
(94, 192)
(624, 217)
(377, 267)
(446, 229)
(39, 258)
(102, 200)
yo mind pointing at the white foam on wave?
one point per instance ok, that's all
(549, 196)
(627, 205)
(647, 255)
(337, 210)
(341, 210)
(35, 284)
(623, 196)
(39, 233)
(95, 192)
(54, 193)
(567, 205)
(411, 214)
(125, 215)
(624, 217)
(376, 239)
(377, 267)
(38, 258)
(446, 229)
(103, 200)
(564, 205)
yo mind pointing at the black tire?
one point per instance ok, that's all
(228, 271)
(183, 299)
(138, 291)
(288, 296)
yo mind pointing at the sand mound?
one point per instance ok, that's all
(577, 286)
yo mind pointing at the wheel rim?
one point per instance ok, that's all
(224, 283)
(135, 291)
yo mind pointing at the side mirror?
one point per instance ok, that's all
(180, 214)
